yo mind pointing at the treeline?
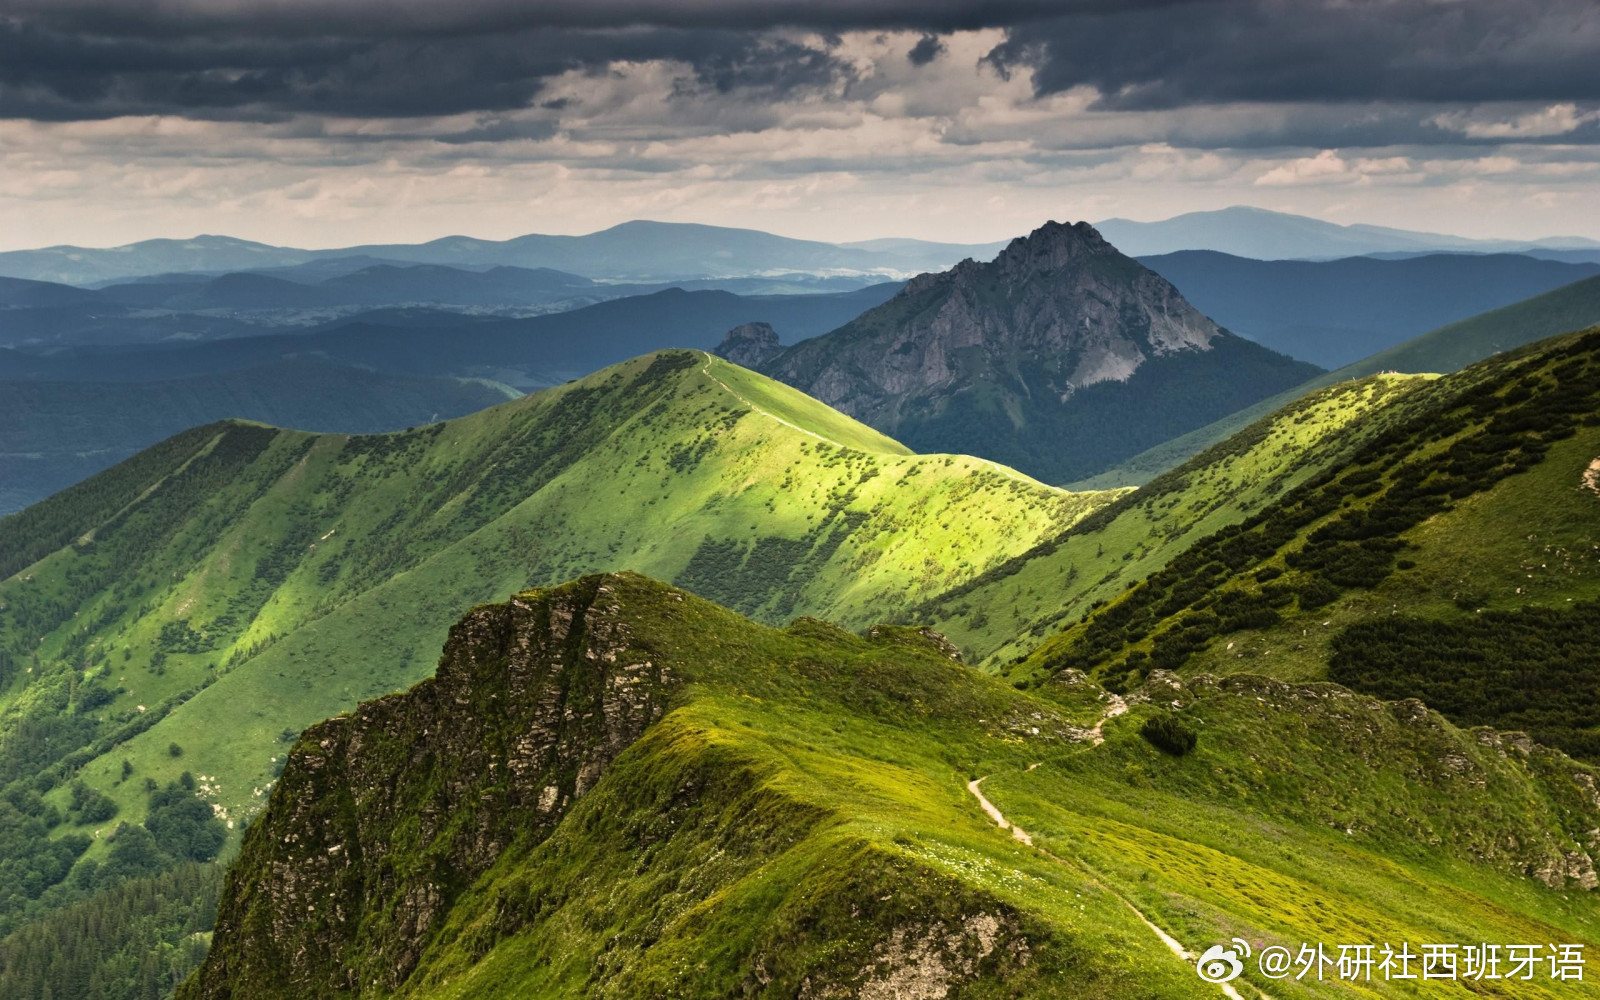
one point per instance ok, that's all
(135, 941)
(41, 873)
(1535, 670)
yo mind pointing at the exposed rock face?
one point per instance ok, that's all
(750, 345)
(1011, 343)
(532, 702)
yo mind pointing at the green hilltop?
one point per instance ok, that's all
(193, 609)
(616, 789)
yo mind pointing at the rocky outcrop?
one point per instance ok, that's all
(383, 817)
(750, 345)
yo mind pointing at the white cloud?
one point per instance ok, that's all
(1557, 119)
(1305, 170)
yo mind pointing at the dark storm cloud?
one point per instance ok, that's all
(270, 59)
(53, 75)
(181, 18)
(926, 50)
(1318, 51)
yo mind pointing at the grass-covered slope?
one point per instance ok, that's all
(1005, 612)
(615, 789)
(1455, 557)
(193, 609)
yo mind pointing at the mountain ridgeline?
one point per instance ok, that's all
(1059, 358)
(615, 789)
(238, 582)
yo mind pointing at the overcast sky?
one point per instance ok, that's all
(331, 122)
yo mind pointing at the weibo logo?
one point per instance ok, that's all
(1221, 965)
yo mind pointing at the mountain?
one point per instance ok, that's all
(377, 285)
(16, 293)
(84, 266)
(1456, 345)
(425, 283)
(44, 317)
(1060, 358)
(67, 414)
(616, 789)
(1266, 235)
(236, 583)
(750, 345)
(1447, 349)
(1450, 558)
(1002, 615)
(54, 434)
(1333, 313)
(633, 251)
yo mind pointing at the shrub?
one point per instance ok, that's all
(1167, 734)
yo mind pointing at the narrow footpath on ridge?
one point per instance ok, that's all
(1116, 707)
(705, 370)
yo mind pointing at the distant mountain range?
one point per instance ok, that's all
(655, 252)
(1060, 358)
(1333, 313)
(53, 434)
(530, 353)
(1267, 235)
(634, 251)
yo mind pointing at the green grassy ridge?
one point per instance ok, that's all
(1472, 504)
(263, 579)
(1004, 613)
(1447, 349)
(796, 823)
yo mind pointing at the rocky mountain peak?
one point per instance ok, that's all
(749, 344)
(1010, 344)
(1052, 247)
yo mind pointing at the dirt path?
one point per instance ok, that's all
(1114, 709)
(705, 370)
